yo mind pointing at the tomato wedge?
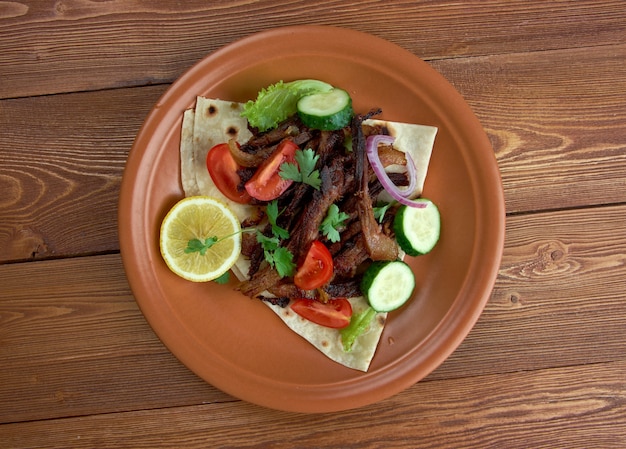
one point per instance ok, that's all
(223, 170)
(317, 268)
(336, 313)
(266, 184)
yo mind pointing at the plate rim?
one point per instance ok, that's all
(405, 374)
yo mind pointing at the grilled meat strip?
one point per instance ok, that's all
(306, 230)
(353, 254)
(379, 246)
(288, 128)
(345, 289)
(343, 175)
(262, 280)
(332, 188)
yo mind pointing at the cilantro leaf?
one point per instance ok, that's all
(380, 211)
(304, 170)
(199, 246)
(281, 259)
(272, 216)
(268, 255)
(276, 256)
(223, 279)
(306, 160)
(334, 220)
(283, 262)
(267, 243)
(290, 170)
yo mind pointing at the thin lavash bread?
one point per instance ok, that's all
(215, 121)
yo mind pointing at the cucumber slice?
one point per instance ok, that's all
(327, 111)
(387, 285)
(417, 229)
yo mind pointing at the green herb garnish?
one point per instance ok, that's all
(199, 246)
(333, 221)
(272, 217)
(304, 170)
(380, 211)
(281, 259)
(223, 279)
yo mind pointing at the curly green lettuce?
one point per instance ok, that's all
(277, 102)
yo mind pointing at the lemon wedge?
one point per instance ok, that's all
(200, 238)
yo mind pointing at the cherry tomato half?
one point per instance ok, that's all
(317, 268)
(336, 313)
(223, 170)
(266, 184)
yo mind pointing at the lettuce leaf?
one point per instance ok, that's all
(277, 102)
(358, 325)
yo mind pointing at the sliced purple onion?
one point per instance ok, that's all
(412, 174)
(396, 193)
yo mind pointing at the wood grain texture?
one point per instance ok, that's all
(555, 408)
(556, 120)
(74, 45)
(77, 344)
(547, 161)
(545, 365)
(561, 275)
(61, 164)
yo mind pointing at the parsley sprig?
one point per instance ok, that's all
(380, 211)
(280, 258)
(333, 222)
(304, 169)
(200, 246)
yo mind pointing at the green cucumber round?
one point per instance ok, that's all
(327, 111)
(417, 229)
(388, 285)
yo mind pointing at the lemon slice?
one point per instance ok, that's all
(200, 238)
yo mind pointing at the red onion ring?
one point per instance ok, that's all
(371, 149)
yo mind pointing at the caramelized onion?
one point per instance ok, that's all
(248, 159)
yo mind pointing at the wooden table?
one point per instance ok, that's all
(545, 366)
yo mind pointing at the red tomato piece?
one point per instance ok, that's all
(317, 268)
(336, 313)
(223, 170)
(266, 184)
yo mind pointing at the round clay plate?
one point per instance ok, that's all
(236, 343)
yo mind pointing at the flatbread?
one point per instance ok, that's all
(418, 140)
(187, 169)
(327, 340)
(214, 122)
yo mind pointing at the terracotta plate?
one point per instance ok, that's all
(239, 345)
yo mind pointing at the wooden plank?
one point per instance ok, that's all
(545, 408)
(59, 195)
(66, 46)
(556, 146)
(544, 142)
(77, 344)
(562, 274)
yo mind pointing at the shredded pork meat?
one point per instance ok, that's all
(346, 180)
